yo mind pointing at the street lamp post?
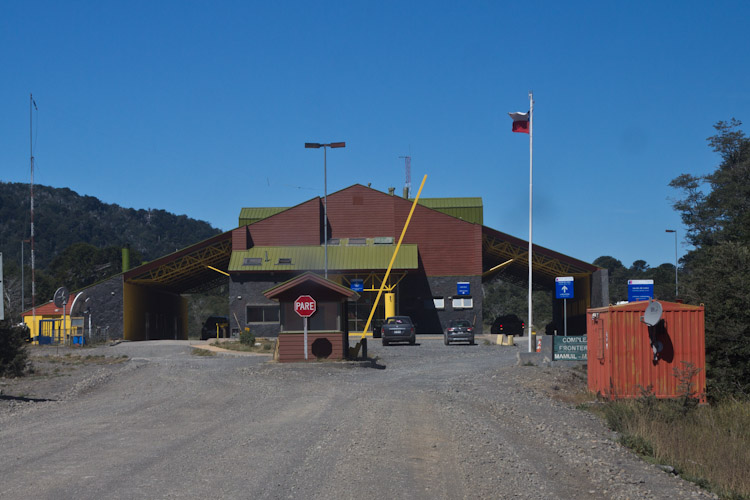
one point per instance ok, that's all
(317, 145)
(676, 294)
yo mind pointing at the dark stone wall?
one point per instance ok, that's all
(245, 291)
(105, 307)
(415, 299)
(600, 288)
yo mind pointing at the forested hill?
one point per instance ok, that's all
(62, 217)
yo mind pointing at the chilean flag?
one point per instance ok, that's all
(520, 122)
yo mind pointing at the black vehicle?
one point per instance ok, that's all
(209, 329)
(377, 328)
(398, 329)
(459, 329)
(509, 324)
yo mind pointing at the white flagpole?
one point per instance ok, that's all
(531, 170)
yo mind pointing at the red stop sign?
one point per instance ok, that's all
(305, 306)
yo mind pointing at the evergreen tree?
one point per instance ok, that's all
(716, 210)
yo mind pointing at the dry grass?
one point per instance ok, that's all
(709, 445)
(260, 345)
(202, 352)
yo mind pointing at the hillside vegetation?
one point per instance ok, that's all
(78, 239)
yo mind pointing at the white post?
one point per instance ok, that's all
(305, 323)
(531, 176)
(325, 222)
(565, 316)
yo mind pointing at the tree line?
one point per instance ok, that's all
(78, 240)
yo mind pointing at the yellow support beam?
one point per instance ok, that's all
(393, 259)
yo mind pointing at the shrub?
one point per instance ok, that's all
(14, 360)
(246, 337)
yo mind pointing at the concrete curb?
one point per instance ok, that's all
(219, 350)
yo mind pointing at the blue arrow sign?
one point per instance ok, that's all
(564, 287)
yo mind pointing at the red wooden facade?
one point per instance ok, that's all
(292, 346)
(297, 226)
(447, 246)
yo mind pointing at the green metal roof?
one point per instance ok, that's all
(451, 202)
(250, 215)
(340, 258)
(468, 209)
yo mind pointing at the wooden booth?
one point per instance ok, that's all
(312, 317)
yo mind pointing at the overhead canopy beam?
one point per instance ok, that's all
(188, 270)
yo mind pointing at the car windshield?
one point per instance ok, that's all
(460, 322)
(398, 321)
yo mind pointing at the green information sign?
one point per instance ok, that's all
(569, 348)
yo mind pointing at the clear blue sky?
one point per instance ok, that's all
(201, 108)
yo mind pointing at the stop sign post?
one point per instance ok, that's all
(305, 306)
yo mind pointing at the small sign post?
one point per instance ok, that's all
(305, 306)
(357, 284)
(564, 290)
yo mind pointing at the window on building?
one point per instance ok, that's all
(439, 302)
(284, 260)
(463, 303)
(357, 242)
(251, 261)
(262, 314)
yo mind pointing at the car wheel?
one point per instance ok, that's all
(445, 340)
(385, 342)
(471, 341)
(412, 340)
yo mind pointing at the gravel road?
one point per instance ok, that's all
(431, 421)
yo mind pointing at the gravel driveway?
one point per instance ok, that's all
(438, 422)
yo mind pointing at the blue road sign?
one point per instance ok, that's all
(463, 288)
(358, 285)
(640, 290)
(564, 287)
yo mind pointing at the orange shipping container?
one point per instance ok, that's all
(626, 356)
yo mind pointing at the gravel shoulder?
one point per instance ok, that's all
(437, 422)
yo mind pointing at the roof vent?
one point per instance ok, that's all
(284, 260)
(251, 261)
(357, 242)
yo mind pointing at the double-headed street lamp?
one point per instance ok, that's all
(316, 145)
(675, 259)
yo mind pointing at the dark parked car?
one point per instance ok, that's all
(377, 326)
(210, 326)
(459, 329)
(509, 324)
(398, 329)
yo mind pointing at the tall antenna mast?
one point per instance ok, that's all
(31, 160)
(407, 167)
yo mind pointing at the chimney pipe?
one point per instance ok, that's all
(391, 191)
(125, 258)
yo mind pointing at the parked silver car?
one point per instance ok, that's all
(398, 329)
(459, 329)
